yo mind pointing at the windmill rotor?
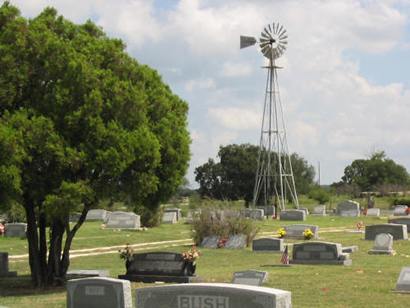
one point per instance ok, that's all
(272, 41)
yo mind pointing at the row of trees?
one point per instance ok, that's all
(233, 177)
(80, 121)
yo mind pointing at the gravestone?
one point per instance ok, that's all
(252, 278)
(159, 266)
(319, 210)
(268, 244)
(305, 209)
(210, 241)
(319, 253)
(258, 214)
(296, 231)
(97, 214)
(175, 210)
(403, 283)
(17, 229)
(350, 249)
(398, 231)
(269, 210)
(99, 292)
(169, 218)
(348, 208)
(293, 215)
(75, 274)
(375, 212)
(74, 217)
(123, 220)
(4, 266)
(400, 210)
(236, 241)
(212, 295)
(405, 220)
(383, 245)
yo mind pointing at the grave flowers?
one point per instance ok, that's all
(126, 254)
(308, 234)
(190, 258)
(281, 232)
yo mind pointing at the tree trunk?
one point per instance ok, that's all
(54, 255)
(33, 251)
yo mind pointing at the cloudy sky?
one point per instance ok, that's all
(345, 85)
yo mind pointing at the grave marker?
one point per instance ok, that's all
(269, 210)
(348, 208)
(97, 214)
(296, 231)
(212, 295)
(383, 245)
(319, 210)
(17, 229)
(169, 218)
(98, 292)
(252, 278)
(123, 220)
(175, 210)
(268, 244)
(403, 283)
(210, 242)
(236, 241)
(398, 231)
(400, 210)
(405, 220)
(293, 215)
(375, 212)
(75, 274)
(319, 253)
(4, 266)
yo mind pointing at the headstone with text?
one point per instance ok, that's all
(296, 231)
(212, 295)
(319, 253)
(293, 215)
(348, 208)
(99, 292)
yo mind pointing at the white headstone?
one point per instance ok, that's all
(97, 214)
(348, 208)
(403, 283)
(17, 229)
(373, 212)
(169, 218)
(123, 220)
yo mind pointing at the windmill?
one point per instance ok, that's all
(274, 174)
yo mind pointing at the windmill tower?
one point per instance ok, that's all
(274, 175)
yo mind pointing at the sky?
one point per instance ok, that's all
(345, 82)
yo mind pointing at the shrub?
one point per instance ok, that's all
(213, 222)
(401, 201)
(150, 217)
(319, 194)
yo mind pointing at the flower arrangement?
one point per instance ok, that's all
(126, 253)
(359, 225)
(281, 232)
(191, 255)
(307, 234)
(408, 211)
(221, 242)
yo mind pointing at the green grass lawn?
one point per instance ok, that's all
(367, 283)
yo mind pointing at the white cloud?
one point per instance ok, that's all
(236, 118)
(202, 84)
(230, 69)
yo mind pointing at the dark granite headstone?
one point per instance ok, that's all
(4, 266)
(159, 266)
(98, 292)
(212, 295)
(348, 208)
(293, 215)
(123, 220)
(269, 210)
(252, 278)
(319, 253)
(296, 231)
(403, 220)
(398, 231)
(268, 244)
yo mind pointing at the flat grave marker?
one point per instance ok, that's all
(251, 277)
(268, 244)
(75, 274)
(99, 292)
(212, 295)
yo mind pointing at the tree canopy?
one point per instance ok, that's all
(370, 174)
(233, 178)
(80, 120)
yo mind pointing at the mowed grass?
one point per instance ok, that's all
(367, 283)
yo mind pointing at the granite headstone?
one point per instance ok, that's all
(4, 266)
(17, 229)
(383, 244)
(252, 278)
(348, 208)
(403, 283)
(123, 220)
(236, 241)
(293, 215)
(296, 231)
(268, 244)
(398, 231)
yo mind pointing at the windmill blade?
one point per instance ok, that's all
(270, 29)
(283, 37)
(246, 41)
(268, 33)
(280, 30)
(266, 36)
(273, 28)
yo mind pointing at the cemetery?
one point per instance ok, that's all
(99, 151)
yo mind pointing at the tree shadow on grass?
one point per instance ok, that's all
(22, 286)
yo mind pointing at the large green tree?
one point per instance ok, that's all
(80, 120)
(233, 178)
(368, 174)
